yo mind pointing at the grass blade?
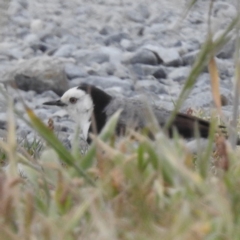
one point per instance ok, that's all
(214, 79)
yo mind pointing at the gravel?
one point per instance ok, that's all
(126, 47)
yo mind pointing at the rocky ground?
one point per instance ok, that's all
(126, 47)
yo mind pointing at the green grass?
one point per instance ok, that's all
(120, 189)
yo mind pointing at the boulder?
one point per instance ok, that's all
(38, 74)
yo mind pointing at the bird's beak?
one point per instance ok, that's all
(55, 103)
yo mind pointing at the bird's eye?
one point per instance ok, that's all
(73, 100)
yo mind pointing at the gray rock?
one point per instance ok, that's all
(98, 70)
(73, 71)
(62, 128)
(68, 123)
(227, 51)
(116, 38)
(29, 96)
(201, 95)
(60, 113)
(160, 73)
(66, 143)
(202, 83)
(225, 68)
(224, 10)
(191, 45)
(65, 50)
(48, 94)
(115, 55)
(36, 25)
(42, 114)
(189, 58)
(143, 70)
(38, 74)
(3, 124)
(135, 16)
(167, 56)
(108, 68)
(128, 45)
(11, 50)
(15, 53)
(204, 99)
(106, 30)
(89, 57)
(151, 86)
(31, 39)
(155, 28)
(121, 71)
(22, 132)
(103, 82)
(145, 57)
(21, 21)
(3, 118)
(144, 10)
(168, 105)
(198, 101)
(40, 47)
(3, 134)
(81, 54)
(31, 137)
(98, 57)
(179, 74)
(115, 91)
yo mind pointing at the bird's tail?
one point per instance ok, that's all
(186, 126)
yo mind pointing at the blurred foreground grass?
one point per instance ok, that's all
(120, 190)
(153, 190)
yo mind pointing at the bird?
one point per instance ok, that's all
(91, 107)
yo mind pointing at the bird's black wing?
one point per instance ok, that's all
(134, 115)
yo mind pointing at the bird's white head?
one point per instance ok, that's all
(79, 106)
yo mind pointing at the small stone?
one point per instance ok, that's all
(60, 113)
(135, 16)
(179, 74)
(36, 25)
(41, 114)
(128, 45)
(145, 57)
(103, 82)
(224, 10)
(189, 58)
(227, 51)
(168, 56)
(106, 30)
(143, 70)
(15, 53)
(65, 50)
(115, 38)
(48, 94)
(40, 46)
(152, 86)
(73, 71)
(160, 73)
(31, 39)
(115, 55)
(98, 57)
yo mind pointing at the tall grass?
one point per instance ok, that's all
(120, 189)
